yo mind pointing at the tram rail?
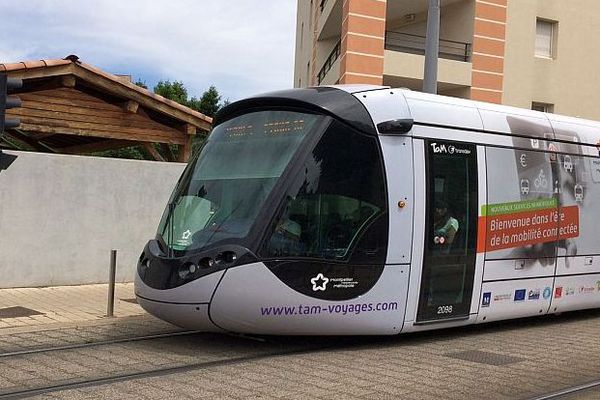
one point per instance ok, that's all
(96, 343)
(156, 372)
(573, 390)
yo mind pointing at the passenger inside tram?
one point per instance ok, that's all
(445, 225)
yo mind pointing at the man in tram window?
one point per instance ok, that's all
(445, 226)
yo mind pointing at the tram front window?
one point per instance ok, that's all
(224, 188)
(338, 195)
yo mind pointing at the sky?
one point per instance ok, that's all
(242, 47)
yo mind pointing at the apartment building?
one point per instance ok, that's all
(538, 54)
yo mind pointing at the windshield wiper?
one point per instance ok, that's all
(223, 222)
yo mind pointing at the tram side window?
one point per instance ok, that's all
(450, 188)
(339, 194)
(449, 264)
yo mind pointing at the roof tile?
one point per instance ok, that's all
(34, 64)
(54, 63)
(14, 66)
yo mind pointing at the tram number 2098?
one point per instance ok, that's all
(444, 310)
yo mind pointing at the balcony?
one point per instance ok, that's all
(404, 63)
(415, 44)
(329, 63)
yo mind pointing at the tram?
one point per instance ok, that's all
(358, 210)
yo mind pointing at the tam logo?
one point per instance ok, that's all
(439, 148)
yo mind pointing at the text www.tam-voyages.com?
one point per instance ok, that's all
(342, 309)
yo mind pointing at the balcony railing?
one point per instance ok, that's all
(415, 44)
(333, 56)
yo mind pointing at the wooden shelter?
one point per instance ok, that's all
(71, 107)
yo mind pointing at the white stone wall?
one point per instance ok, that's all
(60, 216)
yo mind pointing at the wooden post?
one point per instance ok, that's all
(185, 151)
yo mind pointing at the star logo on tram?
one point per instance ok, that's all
(319, 282)
(186, 235)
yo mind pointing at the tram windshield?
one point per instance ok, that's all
(223, 189)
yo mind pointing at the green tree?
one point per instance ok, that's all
(141, 84)
(175, 91)
(209, 103)
(132, 152)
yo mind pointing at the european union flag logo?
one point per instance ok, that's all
(520, 294)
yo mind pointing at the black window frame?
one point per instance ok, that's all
(380, 222)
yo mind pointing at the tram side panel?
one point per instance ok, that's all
(253, 300)
(577, 283)
(521, 233)
(540, 230)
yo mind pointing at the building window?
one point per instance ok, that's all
(543, 107)
(545, 38)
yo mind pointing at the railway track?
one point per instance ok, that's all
(96, 343)
(152, 372)
(591, 388)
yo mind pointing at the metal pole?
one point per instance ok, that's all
(432, 47)
(111, 284)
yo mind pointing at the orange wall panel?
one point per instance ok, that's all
(366, 26)
(484, 95)
(371, 8)
(499, 2)
(364, 64)
(485, 63)
(358, 79)
(362, 44)
(491, 12)
(488, 46)
(490, 29)
(488, 52)
(486, 81)
(363, 31)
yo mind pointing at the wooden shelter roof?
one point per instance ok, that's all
(72, 107)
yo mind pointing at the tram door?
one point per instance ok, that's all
(451, 231)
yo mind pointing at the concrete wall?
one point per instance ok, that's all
(61, 215)
(304, 43)
(456, 22)
(569, 80)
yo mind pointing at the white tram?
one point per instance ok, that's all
(369, 210)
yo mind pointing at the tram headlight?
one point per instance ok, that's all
(143, 266)
(226, 257)
(187, 270)
(206, 262)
